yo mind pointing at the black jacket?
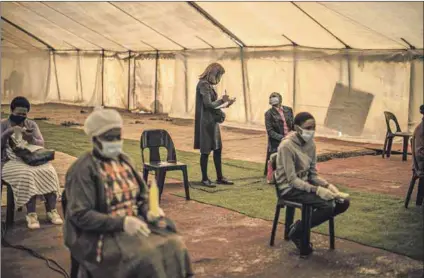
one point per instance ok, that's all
(275, 126)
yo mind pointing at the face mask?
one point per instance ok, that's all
(274, 101)
(17, 119)
(111, 149)
(307, 135)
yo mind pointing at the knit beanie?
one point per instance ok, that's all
(101, 121)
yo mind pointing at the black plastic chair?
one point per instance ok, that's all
(398, 133)
(416, 174)
(153, 140)
(10, 207)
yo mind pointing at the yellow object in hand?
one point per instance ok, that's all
(154, 198)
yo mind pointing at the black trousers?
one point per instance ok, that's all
(321, 210)
(204, 158)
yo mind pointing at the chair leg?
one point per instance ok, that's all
(411, 188)
(405, 149)
(289, 221)
(266, 162)
(331, 231)
(145, 174)
(389, 146)
(306, 223)
(10, 209)
(275, 224)
(385, 146)
(420, 193)
(186, 183)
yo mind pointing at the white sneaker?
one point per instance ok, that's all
(32, 221)
(54, 217)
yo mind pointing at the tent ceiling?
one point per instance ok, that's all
(150, 26)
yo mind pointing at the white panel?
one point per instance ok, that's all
(116, 83)
(179, 22)
(144, 96)
(264, 23)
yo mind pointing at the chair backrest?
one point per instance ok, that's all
(273, 159)
(391, 117)
(414, 159)
(153, 139)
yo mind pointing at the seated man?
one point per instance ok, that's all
(297, 179)
(27, 181)
(109, 228)
(278, 123)
(419, 156)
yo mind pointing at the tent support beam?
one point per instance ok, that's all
(55, 73)
(411, 96)
(29, 34)
(185, 82)
(243, 75)
(129, 79)
(287, 38)
(103, 77)
(294, 78)
(156, 82)
(322, 26)
(410, 45)
(216, 23)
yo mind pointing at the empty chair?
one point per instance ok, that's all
(398, 133)
(154, 140)
(416, 174)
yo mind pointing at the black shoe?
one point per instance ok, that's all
(208, 183)
(296, 237)
(224, 181)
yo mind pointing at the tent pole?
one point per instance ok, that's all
(129, 78)
(349, 71)
(103, 74)
(243, 75)
(294, 77)
(411, 107)
(156, 81)
(55, 73)
(186, 82)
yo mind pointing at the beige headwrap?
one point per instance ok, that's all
(101, 121)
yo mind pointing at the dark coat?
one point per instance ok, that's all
(419, 147)
(207, 136)
(87, 221)
(275, 126)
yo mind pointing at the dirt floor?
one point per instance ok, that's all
(224, 243)
(243, 241)
(235, 141)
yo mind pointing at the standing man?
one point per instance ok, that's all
(207, 135)
(278, 122)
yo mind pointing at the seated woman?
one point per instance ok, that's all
(419, 157)
(297, 179)
(108, 225)
(27, 181)
(278, 123)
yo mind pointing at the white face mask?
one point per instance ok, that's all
(307, 135)
(274, 101)
(111, 149)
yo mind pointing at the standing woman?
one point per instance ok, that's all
(207, 136)
(278, 123)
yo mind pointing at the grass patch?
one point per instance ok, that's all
(373, 219)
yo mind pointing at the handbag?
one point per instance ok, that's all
(31, 154)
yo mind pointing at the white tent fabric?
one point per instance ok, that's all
(345, 62)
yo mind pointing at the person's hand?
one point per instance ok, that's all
(325, 193)
(17, 129)
(151, 217)
(27, 134)
(225, 98)
(231, 101)
(134, 225)
(333, 189)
